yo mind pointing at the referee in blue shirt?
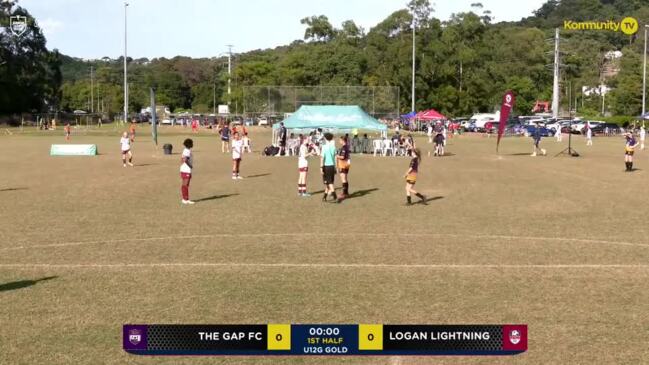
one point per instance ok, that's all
(328, 166)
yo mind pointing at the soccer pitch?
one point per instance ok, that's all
(87, 246)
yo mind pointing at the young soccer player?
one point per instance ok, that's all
(186, 170)
(629, 150)
(303, 166)
(589, 135)
(328, 166)
(439, 144)
(247, 145)
(132, 131)
(411, 178)
(429, 132)
(536, 137)
(344, 163)
(237, 151)
(225, 138)
(125, 142)
(67, 131)
(643, 135)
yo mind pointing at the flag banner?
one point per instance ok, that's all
(508, 104)
(154, 122)
(325, 339)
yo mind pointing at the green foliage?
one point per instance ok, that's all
(463, 65)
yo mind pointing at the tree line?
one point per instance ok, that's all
(463, 64)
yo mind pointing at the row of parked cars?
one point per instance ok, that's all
(528, 125)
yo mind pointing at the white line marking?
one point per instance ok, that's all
(324, 266)
(260, 235)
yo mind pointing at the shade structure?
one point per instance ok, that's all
(431, 114)
(332, 117)
(410, 115)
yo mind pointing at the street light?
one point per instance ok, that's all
(125, 66)
(414, 26)
(644, 71)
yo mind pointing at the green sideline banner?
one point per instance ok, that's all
(73, 150)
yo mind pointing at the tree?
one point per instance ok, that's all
(318, 28)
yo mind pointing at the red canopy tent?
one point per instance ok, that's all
(431, 114)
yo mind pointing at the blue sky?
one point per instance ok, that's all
(203, 28)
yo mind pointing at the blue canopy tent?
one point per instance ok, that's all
(340, 118)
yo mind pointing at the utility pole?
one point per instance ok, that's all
(555, 86)
(125, 65)
(229, 72)
(92, 91)
(214, 97)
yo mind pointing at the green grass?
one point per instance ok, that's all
(111, 241)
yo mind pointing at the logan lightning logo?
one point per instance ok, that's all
(628, 25)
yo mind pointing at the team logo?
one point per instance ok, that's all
(18, 25)
(134, 337)
(514, 337)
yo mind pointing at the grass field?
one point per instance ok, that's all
(557, 243)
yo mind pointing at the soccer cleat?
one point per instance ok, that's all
(234, 177)
(239, 177)
(124, 165)
(189, 202)
(130, 164)
(306, 195)
(544, 152)
(533, 155)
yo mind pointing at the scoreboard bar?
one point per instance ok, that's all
(325, 339)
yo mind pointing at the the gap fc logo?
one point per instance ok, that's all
(134, 336)
(18, 25)
(514, 337)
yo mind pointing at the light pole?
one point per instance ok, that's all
(414, 26)
(644, 72)
(125, 65)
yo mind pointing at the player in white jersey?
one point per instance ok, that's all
(237, 152)
(643, 135)
(125, 142)
(429, 132)
(589, 136)
(247, 144)
(186, 170)
(303, 166)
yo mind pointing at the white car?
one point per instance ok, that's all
(263, 121)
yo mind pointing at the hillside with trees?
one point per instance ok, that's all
(464, 64)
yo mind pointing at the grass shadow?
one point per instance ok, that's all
(258, 175)
(215, 197)
(428, 200)
(145, 164)
(13, 189)
(23, 284)
(518, 154)
(361, 193)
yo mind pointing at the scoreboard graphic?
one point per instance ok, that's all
(324, 339)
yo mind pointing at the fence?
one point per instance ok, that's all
(378, 101)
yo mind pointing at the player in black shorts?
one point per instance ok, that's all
(344, 163)
(411, 178)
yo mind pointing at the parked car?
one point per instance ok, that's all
(601, 128)
(263, 121)
(529, 130)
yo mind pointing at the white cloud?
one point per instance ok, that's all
(50, 26)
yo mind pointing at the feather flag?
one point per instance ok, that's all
(508, 104)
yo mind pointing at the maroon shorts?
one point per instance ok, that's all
(303, 169)
(125, 152)
(185, 175)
